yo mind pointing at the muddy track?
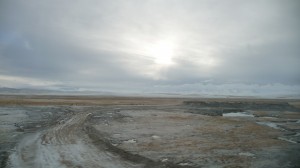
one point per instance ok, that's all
(64, 145)
(100, 141)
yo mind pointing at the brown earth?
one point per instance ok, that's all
(95, 131)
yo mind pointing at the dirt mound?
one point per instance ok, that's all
(217, 108)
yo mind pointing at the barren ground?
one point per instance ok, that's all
(90, 131)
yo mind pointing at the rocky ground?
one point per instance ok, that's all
(149, 132)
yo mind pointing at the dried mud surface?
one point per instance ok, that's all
(73, 131)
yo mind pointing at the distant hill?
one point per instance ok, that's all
(28, 91)
(6, 90)
(68, 91)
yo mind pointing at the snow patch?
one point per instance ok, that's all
(269, 124)
(238, 114)
(246, 154)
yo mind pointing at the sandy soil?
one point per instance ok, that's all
(51, 131)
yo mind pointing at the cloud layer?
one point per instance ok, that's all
(120, 45)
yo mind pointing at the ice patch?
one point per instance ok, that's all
(269, 124)
(238, 114)
(288, 140)
(246, 154)
(130, 141)
(155, 137)
(165, 160)
(184, 164)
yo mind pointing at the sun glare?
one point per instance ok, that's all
(162, 52)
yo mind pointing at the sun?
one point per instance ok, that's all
(162, 52)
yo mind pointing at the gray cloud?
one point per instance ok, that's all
(109, 44)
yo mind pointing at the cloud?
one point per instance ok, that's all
(109, 44)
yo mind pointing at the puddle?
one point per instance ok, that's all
(238, 114)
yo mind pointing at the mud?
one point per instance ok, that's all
(185, 134)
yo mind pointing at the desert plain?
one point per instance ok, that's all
(47, 131)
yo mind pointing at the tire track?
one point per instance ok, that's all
(64, 145)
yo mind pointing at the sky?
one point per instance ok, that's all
(213, 47)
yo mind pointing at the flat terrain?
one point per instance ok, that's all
(94, 131)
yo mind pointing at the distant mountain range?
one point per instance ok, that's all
(28, 91)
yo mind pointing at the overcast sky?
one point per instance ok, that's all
(188, 46)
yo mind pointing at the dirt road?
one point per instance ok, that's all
(64, 145)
